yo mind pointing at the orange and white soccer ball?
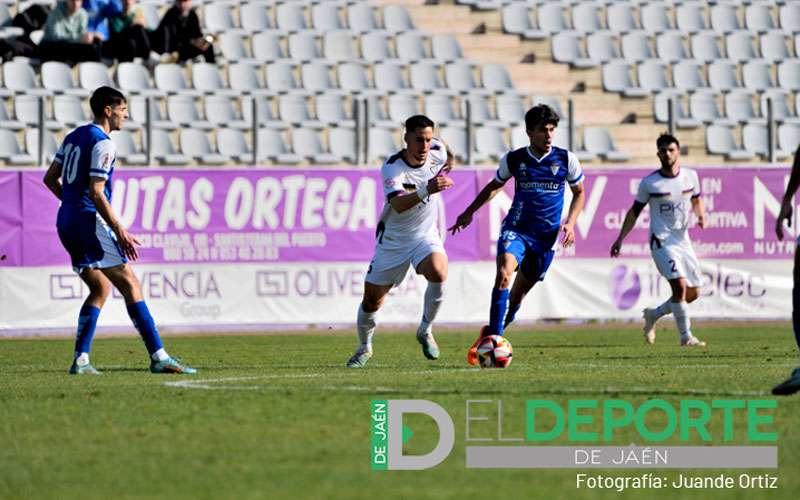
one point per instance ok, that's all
(494, 351)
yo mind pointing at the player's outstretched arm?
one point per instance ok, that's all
(488, 192)
(786, 206)
(404, 201)
(125, 239)
(699, 210)
(575, 207)
(52, 179)
(627, 226)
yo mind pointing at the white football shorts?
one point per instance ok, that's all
(390, 265)
(678, 261)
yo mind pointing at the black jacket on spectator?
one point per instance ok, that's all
(175, 34)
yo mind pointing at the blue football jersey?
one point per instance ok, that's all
(86, 152)
(538, 191)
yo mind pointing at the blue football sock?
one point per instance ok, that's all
(87, 323)
(144, 323)
(796, 314)
(498, 311)
(511, 314)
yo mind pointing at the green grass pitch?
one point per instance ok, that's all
(278, 416)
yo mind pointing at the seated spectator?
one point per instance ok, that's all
(100, 11)
(128, 34)
(29, 20)
(179, 31)
(66, 36)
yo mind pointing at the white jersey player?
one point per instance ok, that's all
(407, 234)
(672, 193)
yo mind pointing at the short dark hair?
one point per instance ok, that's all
(541, 114)
(105, 96)
(666, 139)
(418, 121)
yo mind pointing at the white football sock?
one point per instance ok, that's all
(159, 355)
(681, 313)
(365, 324)
(664, 309)
(81, 358)
(434, 296)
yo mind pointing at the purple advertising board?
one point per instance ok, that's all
(253, 215)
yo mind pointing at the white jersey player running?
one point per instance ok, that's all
(407, 234)
(671, 192)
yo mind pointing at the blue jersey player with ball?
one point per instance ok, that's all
(533, 224)
(98, 245)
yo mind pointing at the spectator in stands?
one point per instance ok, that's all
(128, 35)
(66, 35)
(29, 20)
(179, 31)
(100, 11)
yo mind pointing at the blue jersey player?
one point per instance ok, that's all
(98, 245)
(533, 223)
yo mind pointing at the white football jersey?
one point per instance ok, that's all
(398, 177)
(670, 203)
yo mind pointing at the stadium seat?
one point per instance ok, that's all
(520, 139)
(456, 139)
(361, 18)
(7, 121)
(353, 79)
(757, 17)
(598, 141)
(244, 79)
(330, 110)
(69, 110)
(127, 150)
(280, 77)
(232, 144)
(489, 144)
(401, 106)
(788, 137)
(137, 110)
(264, 116)
(254, 17)
(482, 113)
(377, 114)
(164, 151)
(49, 146)
(739, 46)
(208, 80)
(272, 146)
(781, 110)
(389, 78)
(703, 106)
(616, 78)
(290, 17)
(396, 19)
(182, 111)
(325, 17)
(92, 75)
(789, 17)
(754, 141)
(26, 110)
(789, 75)
(220, 112)
(57, 77)
(652, 75)
(636, 47)
(586, 17)
(195, 144)
(307, 143)
(375, 47)
(10, 152)
(516, 20)
(20, 78)
(460, 78)
(551, 18)
(411, 47)
(316, 77)
(440, 109)
(687, 76)
(757, 75)
(233, 49)
(724, 19)
(445, 48)
(566, 48)
(670, 47)
(722, 75)
(303, 46)
(720, 141)
(773, 46)
(655, 18)
(621, 18)
(424, 77)
(293, 109)
(382, 144)
(495, 78)
(600, 47)
(739, 107)
(510, 109)
(690, 17)
(705, 47)
(151, 15)
(169, 78)
(343, 144)
(267, 47)
(337, 46)
(218, 19)
(134, 79)
(661, 111)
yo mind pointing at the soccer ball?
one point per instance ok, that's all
(494, 351)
